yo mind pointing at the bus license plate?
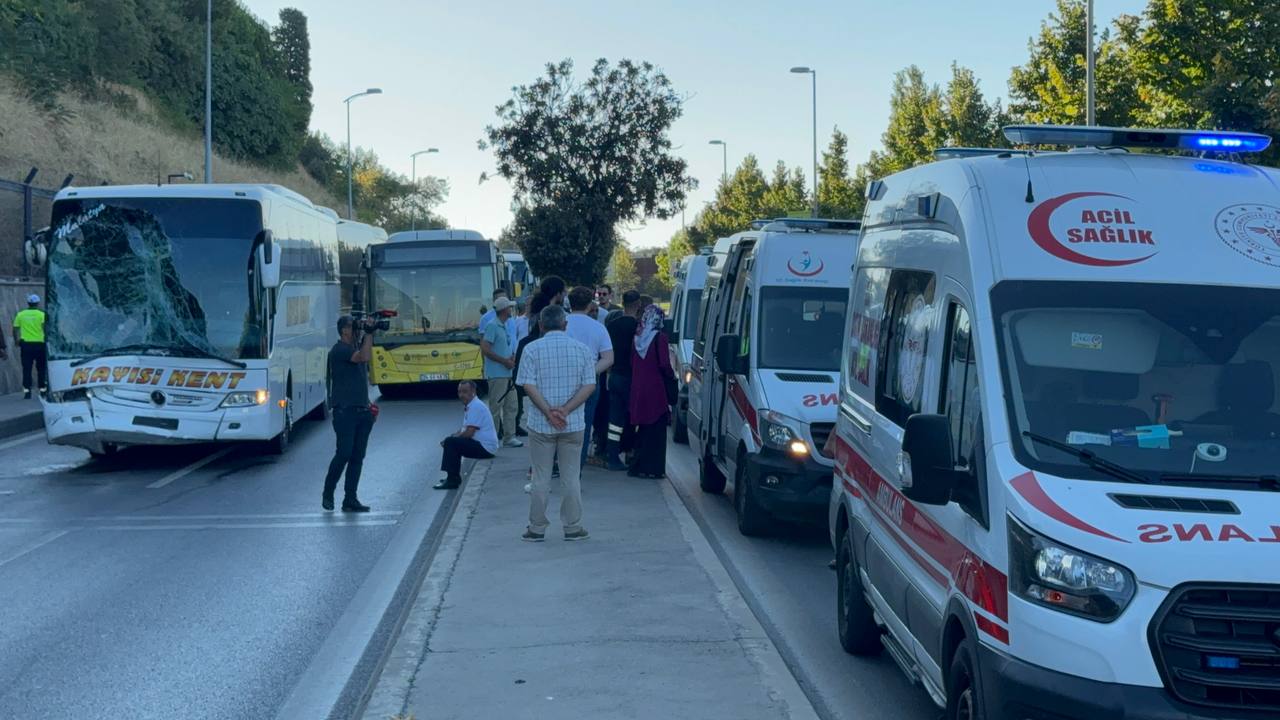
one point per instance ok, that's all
(429, 377)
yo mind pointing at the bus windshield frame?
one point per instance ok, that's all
(460, 282)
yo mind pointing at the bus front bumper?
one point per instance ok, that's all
(93, 426)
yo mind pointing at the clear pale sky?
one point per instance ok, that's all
(445, 66)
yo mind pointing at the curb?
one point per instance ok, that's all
(25, 423)
(340, 677)
(393, 685)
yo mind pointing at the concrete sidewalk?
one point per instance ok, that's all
(638, 621)
(19, 416)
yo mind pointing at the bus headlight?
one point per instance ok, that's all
(74, 395)
(1055, 576)
(246, 398)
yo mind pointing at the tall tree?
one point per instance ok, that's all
(601, 147)
(1050, 87)
(677, 249)
(622, 269)
(786, 193)
(965, 119)
(294, 46)
(914, 130)
(838, 195)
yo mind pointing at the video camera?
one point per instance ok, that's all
(379, 320)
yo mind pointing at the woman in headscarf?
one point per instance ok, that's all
(650, 373)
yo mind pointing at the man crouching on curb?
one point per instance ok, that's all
(477, 439)
(558, 374)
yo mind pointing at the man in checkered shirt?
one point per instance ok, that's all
(558, 374)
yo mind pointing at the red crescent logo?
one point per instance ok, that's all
(1038, 228)
(811, 273)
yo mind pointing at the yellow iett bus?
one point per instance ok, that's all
(439, 283)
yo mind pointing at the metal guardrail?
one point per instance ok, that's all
(29, 192)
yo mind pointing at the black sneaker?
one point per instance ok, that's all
(354, 506)
(448, 484)
(326, 502)
(531, 536)
(578, 534)
(26, 395)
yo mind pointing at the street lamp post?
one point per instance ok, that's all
(350, 197)
(814, 74)
(724, 162)
(208, 92)
(1088, 64)
(413, 223)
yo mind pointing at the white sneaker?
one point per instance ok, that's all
(513, 443)
(528, 487)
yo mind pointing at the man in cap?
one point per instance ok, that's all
(28, 335)
(499, 350)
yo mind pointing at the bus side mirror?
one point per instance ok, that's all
(269, 265)
(928, 463)
(728, 361)
(266, 240)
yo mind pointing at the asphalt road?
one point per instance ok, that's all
(194, 582)
(786, 581)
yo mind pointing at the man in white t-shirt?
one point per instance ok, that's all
(590, 332)
(477, 439)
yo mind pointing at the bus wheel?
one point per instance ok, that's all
(280, 443)
(680, 433)
(855, 622)
(963, 702)
(710, 479)
(108, 450)
(753, 520)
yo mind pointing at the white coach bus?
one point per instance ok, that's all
(187, 313)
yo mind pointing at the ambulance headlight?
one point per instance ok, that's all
(1053, 575)
(247, 398)
(782, 433)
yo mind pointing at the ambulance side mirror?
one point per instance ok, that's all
(728, 361)
(669, 327)
(928, 462)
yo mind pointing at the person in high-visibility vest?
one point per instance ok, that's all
(28, 335)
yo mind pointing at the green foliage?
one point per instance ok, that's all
(748, 196)
(382, 197)
(261, 94)
(1050, 88)
(839, 196)
(669, 258)
(622, 269)
(584, 157)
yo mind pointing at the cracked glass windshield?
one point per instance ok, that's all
(153, 273)
(1155, 378)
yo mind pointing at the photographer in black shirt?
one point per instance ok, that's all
(353, 414)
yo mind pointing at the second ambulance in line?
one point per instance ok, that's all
(1058, 436)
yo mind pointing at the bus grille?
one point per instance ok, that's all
(1220, 645)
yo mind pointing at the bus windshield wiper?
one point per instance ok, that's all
(1091, 459)
(193, 351)
(121, 350)
(1266, 482)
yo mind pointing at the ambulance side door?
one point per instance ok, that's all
(735, 406)
(894, 558)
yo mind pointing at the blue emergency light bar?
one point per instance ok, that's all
(1097, 136)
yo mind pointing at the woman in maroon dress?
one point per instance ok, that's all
(650, 372)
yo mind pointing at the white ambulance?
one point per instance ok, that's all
(1058, 446)
(686, 301)
(773, 310)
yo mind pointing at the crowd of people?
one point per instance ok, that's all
(572, 367)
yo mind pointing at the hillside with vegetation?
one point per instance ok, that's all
(114, 92)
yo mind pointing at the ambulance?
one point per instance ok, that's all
(686, 301)
(763, 389)
(1058, 444)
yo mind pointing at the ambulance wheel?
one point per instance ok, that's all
(963, 699)
(680, 433)
(855, 622)
(753, 520)
(710, 479)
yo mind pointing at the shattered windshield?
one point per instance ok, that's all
(163, 274)
(441, 303)
(1164, 380)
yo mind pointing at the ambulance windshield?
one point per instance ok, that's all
(1173, 382)
(801, 327)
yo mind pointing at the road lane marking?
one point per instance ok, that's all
(33, 546)
(177, 474)
(247, 526)
(21, 439)
(279, 516)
